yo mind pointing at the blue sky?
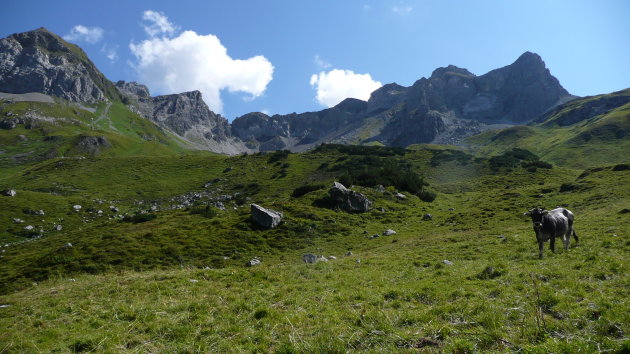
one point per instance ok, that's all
(295, 56)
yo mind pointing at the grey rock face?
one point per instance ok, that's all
(265, 218)
(185, 114)
(40, 61)
(349, 200)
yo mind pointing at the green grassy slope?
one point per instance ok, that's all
(582, 133)
(177, 282)
(55, 130)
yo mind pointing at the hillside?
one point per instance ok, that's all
(582, 133)
(176, 281)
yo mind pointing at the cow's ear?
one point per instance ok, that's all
(545, 212)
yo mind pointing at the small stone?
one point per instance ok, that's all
(58, 227)
(113, 209)
(18, 220)
(389, 232)
(9, 193)
(309, 258)
(253, 262)
(331, 258)
(374, 236)
(67, 245)
(427, 216)
(447, 262)
(193, 280)
(29, 227)
(76, 207)
(451, 209)
(401, 196)
(349, 253)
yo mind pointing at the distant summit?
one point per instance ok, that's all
(41, 61)
(451, 104)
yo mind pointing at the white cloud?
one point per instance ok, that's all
(402, 10)
(80, 33)
(192, 61)
(110, 51)
(336, 85)
(158, 24)
(321, 62)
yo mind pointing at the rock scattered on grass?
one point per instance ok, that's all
(265, 218)
(348, 200)
(313, 258)
(401, 196)
(389, 232)
(447, 262)
(9, 193)
(427, 216)
(253, 262)
(76, 207)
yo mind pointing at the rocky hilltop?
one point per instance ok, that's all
(186, 115)
(41, 61)
(451, 104)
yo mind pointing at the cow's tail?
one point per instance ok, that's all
(575, 236)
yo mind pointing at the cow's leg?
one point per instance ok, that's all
(575, 236)
(566, 238)
(552, 243)
(541, 246)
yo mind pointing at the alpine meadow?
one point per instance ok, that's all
(404, 220)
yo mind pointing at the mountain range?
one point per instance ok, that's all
(450, 105)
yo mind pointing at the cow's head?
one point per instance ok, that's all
(537, 217)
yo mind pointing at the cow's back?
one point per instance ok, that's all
(560, 219)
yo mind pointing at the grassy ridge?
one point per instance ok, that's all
(574, 136)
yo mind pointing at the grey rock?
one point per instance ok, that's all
(374, 236)
(389, 232)
(349, 253)
(8, 124)
(9, 193)
(380, 188)
(312, 258)
(29, 227)
(67, 245)
(253, 262)
(76, 207)
(427, 216)
(451, 209)
(18, 220)
(400, 196)
(58, 227)
(331, 258)
(265, 218)
(40, 61)
(447, 262)
(348, 200)
(219, 206)
(113, 209)
(92, 145)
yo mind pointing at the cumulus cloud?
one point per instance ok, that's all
(158, 24)
(336, 85)
(321, 62)
(402, 10)
(80, 33)
(191, 61)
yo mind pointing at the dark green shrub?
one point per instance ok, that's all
(278, 155)
(207, 211)
(300, 191)
(427, 196)
(139, 218)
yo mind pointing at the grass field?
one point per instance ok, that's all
(177, 283)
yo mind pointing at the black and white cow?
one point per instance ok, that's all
(549, 224)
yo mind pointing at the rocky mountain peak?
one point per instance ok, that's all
(133, 89)
(40, 61)
(450, 70)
